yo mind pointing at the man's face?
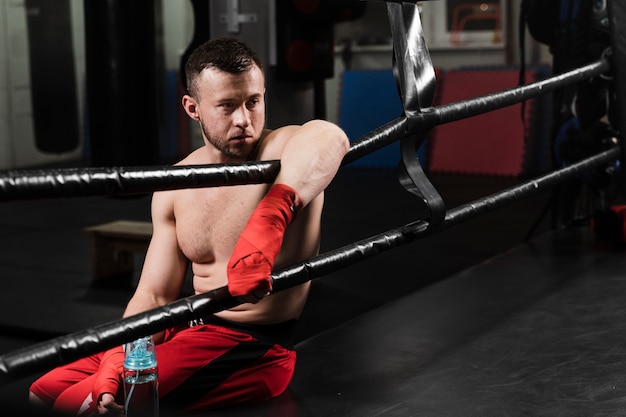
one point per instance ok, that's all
(231, 110)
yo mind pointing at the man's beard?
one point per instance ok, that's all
(240, 154)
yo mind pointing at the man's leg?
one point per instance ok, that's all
(209, 366)
(46, 390)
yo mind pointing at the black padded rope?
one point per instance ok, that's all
(434, 116)
(84, 182)
(65, 349)
(61, 350)
(110, 182)
(364, 249)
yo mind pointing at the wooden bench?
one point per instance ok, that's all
(112, 247)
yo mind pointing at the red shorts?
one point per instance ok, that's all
(201, 367)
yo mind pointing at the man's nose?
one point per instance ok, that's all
(242, 117)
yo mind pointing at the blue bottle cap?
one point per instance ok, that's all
(140, 354)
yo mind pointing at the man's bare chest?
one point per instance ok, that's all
(209, 221)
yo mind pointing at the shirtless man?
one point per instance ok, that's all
(232, 236)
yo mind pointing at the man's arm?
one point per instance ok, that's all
(310, 156)
(160, 283)
(165, 265)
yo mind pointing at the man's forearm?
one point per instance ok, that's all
(312, 157)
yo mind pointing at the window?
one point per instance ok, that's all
(464, 23)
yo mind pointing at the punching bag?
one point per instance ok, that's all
(53, 77)
(122, 95)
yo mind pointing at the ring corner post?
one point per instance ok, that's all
(415, 79)
(617, 17)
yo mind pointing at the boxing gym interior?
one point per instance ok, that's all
(516, 310)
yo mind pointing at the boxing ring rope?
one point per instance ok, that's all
(65, 349)
(111, 182)
(50, 184)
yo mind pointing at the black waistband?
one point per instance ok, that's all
(278, 333)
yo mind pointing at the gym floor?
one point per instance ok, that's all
(45, 264)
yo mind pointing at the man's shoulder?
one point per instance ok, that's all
(273, 140)
(279, 131)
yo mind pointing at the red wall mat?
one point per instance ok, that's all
(488, 144)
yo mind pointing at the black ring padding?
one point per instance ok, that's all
(111, 182)
(415, 80)
(65, 349)
(413, 69)
(414, 180)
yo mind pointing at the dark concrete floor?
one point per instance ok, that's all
(535, 331)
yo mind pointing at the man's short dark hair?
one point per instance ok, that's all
(225, 54)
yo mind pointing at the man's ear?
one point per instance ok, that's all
(191, 106)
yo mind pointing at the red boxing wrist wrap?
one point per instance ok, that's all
(256, 250)
(109, 374)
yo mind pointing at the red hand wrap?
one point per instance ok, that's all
(109, 374)
(253, 258)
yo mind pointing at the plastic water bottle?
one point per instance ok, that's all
(141, 382)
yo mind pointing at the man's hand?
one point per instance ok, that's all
(108, 407)
(256, 250)
(108, 379)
